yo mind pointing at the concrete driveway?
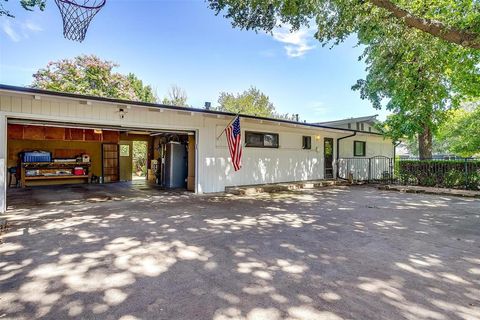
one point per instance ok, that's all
(338, 253)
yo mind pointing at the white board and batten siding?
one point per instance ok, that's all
(214, 171)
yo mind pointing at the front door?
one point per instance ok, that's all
(328, 157)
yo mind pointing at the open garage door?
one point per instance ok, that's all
(46, 154)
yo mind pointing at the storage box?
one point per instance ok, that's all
(36, 156)
(78, 171)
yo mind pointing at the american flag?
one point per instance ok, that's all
(234, 140)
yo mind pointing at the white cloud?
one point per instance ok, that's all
(31, 26)
(8, 29)
(17, 31)
(297, 43)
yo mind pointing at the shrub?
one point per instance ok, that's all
(440, 173)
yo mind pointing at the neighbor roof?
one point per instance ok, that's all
(35, 91)
(371, 119)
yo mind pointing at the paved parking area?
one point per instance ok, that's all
(130, 252)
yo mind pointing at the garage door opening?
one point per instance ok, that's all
(46, 154)
(139, 160)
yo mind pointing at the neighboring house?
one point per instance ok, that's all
(188, 143)
(360, 124)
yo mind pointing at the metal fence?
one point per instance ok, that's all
(445, 173)
(377, 169)
(459, 173)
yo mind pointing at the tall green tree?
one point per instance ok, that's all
(90, 75)
(454, 21)
(422, 58)
(462, 131)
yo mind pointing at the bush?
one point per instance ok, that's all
(440, 173)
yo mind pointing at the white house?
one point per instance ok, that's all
(68, 126)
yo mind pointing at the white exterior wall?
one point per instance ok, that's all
(376, 145)
(214, 171)
(359, 167)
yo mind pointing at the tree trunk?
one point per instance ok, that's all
(425, 143)
(435, 28)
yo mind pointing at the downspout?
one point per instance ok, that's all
(338, 151)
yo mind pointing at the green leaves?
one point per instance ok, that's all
(251, 101)
(26, 4)
(462, 131)
(88, 74)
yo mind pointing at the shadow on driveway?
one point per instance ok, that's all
(341, 253)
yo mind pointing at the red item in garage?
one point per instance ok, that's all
(78, 171)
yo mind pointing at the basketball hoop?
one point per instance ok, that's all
(77, 15)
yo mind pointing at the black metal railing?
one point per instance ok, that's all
(458, 173)
(377, 169)
(444, 173)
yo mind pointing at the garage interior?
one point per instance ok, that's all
(47, 153)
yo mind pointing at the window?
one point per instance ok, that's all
(124, 150)
(369, 129)
(261, 140)
(307, 142)
(363, 126)
(359, 148)
(358, 125)
(349, 125)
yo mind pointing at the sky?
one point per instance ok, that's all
(184, 43)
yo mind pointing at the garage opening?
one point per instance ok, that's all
(45, 154)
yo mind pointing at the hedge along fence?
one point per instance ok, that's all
(460, 174)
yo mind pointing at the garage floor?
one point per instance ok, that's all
(130, 252)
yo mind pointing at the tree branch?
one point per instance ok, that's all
(433, 27)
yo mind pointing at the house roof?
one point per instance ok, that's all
(82, 97)
(370, 119)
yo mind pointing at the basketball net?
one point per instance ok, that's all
(77, 15)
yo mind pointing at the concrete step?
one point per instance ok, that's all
(285, 186)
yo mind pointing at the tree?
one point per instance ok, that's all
(415, 66)
(88, 74)
(143, 93)
(176, 96)
(26, 4)
(252, 102)
(463, 132)
(453, 21)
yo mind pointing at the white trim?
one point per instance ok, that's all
(3, 162)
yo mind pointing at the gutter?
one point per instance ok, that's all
(338, 150)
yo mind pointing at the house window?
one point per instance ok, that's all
(359, 148)
(307, 142)
(369, 129)
(261, 139)
(349, 125)
(358, 125)
(363, 126)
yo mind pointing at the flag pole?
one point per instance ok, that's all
(238, 114)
